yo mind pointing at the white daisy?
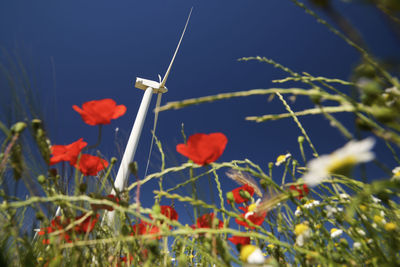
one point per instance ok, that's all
(251, 254)
(302, 232)
(336, 232)
(340, 160)
(282, 159)
(396, 172)
(356, 245)
(311, 203)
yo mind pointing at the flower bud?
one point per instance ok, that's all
(244, 194)
(18, 127)
(113, 160)
(41, 179)
(230, 197)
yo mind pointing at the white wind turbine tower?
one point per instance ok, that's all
(149, 87)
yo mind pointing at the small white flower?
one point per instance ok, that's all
(116, 129)
(360, 232)
(282, 159)
(332, 210)
(336, 232)
(356, 245)
(344, 197)
(396, 171)
(251, 254)
(298, 212)
(302, 232)
(311, 203)
(376, 200)
(352, 153)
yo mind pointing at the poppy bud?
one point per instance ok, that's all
(41, 179)
(300, 139)
(114, 160)
(18, 127)
(133, 167)
(39, 216)
(156, 209)
(230, 197)
(82, 187)
(244, 194)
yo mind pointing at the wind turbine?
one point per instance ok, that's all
(149, 87)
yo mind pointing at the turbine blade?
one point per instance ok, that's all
(176, 51)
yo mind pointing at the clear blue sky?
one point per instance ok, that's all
(99, 47)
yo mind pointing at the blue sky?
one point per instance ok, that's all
(84, 50)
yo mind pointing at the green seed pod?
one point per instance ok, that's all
(230, 197)
(82, 187)
(18, 127)
(113, 160)
(244, 194)
(41, 179)
(300, 139)
(40, 216)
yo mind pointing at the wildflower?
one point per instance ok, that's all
(376, 200)
(390, 226)
(203, 148)
(91, 165)
(311, 203)
(67, 153)
(302, 232)
(298, 212)
(282, 159)
(207, 221)
(251, 254)
(110, 197)
(340, 161)
(379, 219)
(242, 240)
(302, 190)
(336, 232)
(332, 210)
(356, 245)
(250, 214)
(242, 194)
(143, 228)
(168, 212)
(87, 225)
(102, 111)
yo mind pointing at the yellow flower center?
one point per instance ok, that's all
(390, 226)
(378, 219)
(280, 158)
(342, 165)
(246, 251)
(333, 230)
(252, 207)
(300, 229)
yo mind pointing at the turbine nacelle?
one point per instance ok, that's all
(143, 84)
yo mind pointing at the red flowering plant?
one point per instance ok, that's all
(302, 190)
(207, 221)
(251, 214)
(240, 240)
(110, 197)
(241, 194)
(91, 165)
(97, 112)
(67, 153)
(203, 148)
(60, 226)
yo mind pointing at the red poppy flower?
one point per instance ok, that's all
(145, 228)
(242, 240)
(252, 216)
(55, 225)
(206, 221)
(203, 148)
(100, 111)
(301, 189)
(238, 195)
(90, 165)
(67, 153)
(110, 197)
(168, 212)
(87, 225)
